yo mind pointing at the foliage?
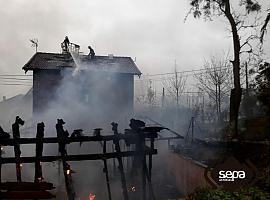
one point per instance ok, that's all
(264, 177)
(243, 17)
(175, 85)
(150, 94)
(212, 7)
(262, 85)
(241, 23)
(220, 194)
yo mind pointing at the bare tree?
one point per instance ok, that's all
(215, 81)
(241, 22)
(175, 85)
(266, 21)
(151, 94)
(147, 95)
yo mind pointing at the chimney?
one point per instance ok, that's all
(110, 56)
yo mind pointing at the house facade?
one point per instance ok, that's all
(93, 82)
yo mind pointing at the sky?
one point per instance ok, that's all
(152, 31)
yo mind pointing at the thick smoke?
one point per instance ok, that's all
(86, 98)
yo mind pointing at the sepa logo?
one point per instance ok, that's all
(231, 175)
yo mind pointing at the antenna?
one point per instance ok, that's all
(34, 42)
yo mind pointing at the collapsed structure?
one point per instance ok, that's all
(136, 135)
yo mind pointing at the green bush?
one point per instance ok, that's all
(221, 194)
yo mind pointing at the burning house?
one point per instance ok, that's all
(91, 81)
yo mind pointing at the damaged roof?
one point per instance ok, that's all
(56, 61)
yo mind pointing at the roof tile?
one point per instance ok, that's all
(99, 63)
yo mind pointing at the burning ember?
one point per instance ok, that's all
(132, 189)
(92, 196)
(40, 179)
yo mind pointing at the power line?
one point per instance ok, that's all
(188, 71)
(17, 79)
(20, 83)
(7, 75)
(14, 84)
(186, 75)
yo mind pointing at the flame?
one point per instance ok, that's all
(68, 172)
(40, 179)
(92, 196)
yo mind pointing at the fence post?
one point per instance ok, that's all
(106, 171)
(17, 150)
(1, 164)
(39, 150)
(62, 136)
(121, 169)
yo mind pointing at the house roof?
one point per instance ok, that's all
(56, 61)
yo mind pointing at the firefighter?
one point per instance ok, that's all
(66, 43)
(92, 52)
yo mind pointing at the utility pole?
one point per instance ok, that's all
(163, 97)
(247, 90)
(248, 110)
(203, 107)
(192, 129)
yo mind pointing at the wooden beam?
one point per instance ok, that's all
(23, 186)
(26, 195)
(105, 170)
(120, 162)
(39, 151)
(77, 157)
(76, 139)
(169, 138)
(0, 164)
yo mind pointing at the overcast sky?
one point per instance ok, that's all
(153, 31)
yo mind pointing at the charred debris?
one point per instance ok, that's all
(139, 137)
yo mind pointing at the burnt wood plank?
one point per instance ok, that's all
(120, 162)
(22, 186)
(77, 157)
(76, 139)
(26, 195)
